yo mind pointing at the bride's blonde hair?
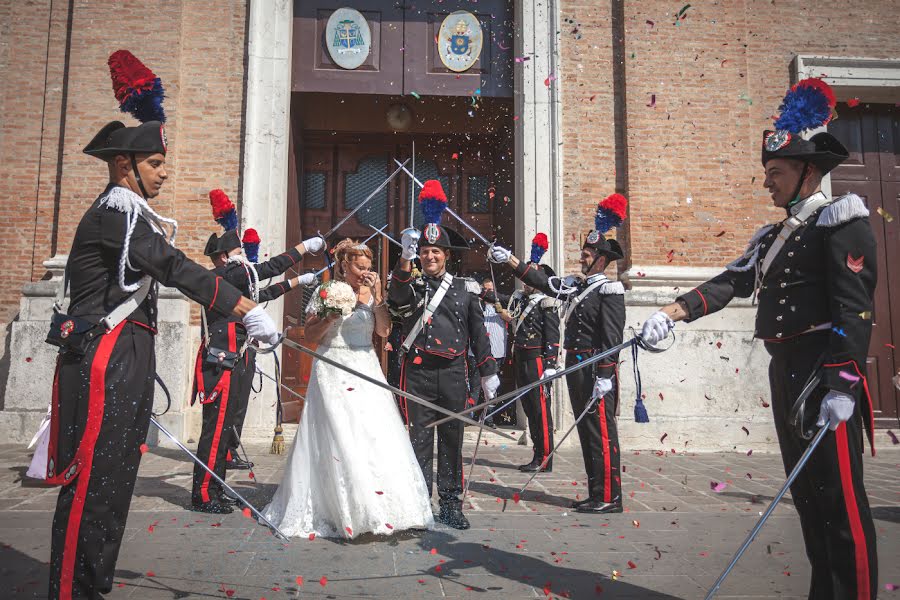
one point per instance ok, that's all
(348, 249)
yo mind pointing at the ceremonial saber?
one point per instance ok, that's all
(221, 481)
(474, 454)
(284, 387)
(794, 473)
(588, 361)
(552, 452)
(465, 224)
(387, 237)
(377, 231)
(507, 403)
(369, 197)
(390, 388)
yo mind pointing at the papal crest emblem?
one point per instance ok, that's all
(593, 237)
(459, 41)
(432, 233)
(776, 140)
(348, 38)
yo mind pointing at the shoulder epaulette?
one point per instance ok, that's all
(471, 285)
(759, 234)
(611, 287)
(844, 209)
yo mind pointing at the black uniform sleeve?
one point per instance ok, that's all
(401, 294)
(276, 290)
(610, 331)
(716, 293)
(550, 327)
(152, 254)
(851, 263)
(279, 264)
(536, 278)
(478, 338)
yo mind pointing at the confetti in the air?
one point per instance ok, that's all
(853, 102)
(885, 214)
(717, 486)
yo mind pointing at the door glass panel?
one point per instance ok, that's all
(478, 195)
(371, 173)
(314, 190)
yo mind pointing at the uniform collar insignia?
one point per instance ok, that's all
(817, 197)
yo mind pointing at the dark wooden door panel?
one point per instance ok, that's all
(857, 130)
(313, 70)
(492, 73)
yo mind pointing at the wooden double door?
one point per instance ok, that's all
(872, 135)
(337, 173)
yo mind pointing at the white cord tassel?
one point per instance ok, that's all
(252, 275)
(126, 201)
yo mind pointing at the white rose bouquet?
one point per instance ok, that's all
(332, 297)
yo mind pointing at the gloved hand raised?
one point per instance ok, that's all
(549, 373)
(602, 386)
(836, 406)
(410, 243)
(498, 254)
(306, 279)
(314, 244)
(489, 385)
(260, 326)
(656, 328)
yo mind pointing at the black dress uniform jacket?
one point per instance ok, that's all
(101, 401)
(538, 333)
(823, 278)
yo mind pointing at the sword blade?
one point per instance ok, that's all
(534, 384)
(237, 436)
(284, 387)
(390, 388)
(388, 237)
(221, 481)
(369, 197)
(787, 484)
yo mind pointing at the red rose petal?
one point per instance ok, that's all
(434, 551)
(144, 448)
(299, 581)
(324, 581)
(516, 497)
(853, 102)
(348, 530)
(247, 513)
(631, 565)
(151, 574)
(417, 360)
(379, 493)
(388, 525)
(312, 536)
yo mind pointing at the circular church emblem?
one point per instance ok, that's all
(459, 41)
(348, 38)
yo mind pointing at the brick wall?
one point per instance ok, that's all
(718, 77)
(50, 113)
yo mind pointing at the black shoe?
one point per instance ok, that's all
(453, 517)
(577, 503)
(599, 507)
(227, 500)
(535, 466)
(237, 462)
(213, 506)
(490, 422)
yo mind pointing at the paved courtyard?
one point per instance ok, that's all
(673, 540)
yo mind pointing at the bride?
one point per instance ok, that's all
(351, 469)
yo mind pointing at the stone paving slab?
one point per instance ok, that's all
(672, 542)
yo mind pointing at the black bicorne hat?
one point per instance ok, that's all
(227, 242)
(115, 138)
(822, 150)
(599, 243)
(808, 105)
(433, 234)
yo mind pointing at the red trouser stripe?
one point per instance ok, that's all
(856, 529)
(604, 436)
(96, 405)
(540, 372)
(220, 420)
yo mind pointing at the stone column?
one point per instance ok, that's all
(538, 199)
(265, 170)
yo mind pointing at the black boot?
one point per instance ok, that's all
(237, 462)
(213, 506)
(599, 507)
(535, 465)
(452, 516)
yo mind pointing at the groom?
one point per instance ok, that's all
(441, 319)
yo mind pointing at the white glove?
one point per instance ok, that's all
(602, 386)
(306, 279)
(836, 406)
(657, 327)
(314, 244)
(549, 373)
(260, 325)
(498, 254)
(489, 385)
(410, 243)
(571, 280)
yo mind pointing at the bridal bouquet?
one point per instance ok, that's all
(333, 297)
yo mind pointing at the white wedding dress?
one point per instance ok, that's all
(351, 468)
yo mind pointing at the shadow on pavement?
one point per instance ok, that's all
(22, 575)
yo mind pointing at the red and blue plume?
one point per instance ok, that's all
(223, 209)
(250, 241)
(539, 246)
(809, 104)
(137, 89)
(610, 212)
(433, 201)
